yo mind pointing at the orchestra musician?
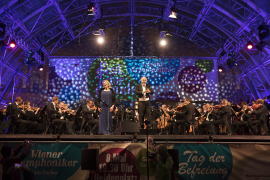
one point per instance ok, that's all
(224, 112)
(168, 114)
(16, 117)
(88, 118)
(143, 91)
(207, 120)
(261, 113)
(188, 112)
(30, 116)
(55, 115)
(245, 118)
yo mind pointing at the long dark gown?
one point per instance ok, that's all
(105, 103)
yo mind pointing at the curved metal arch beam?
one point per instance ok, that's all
(179, 7)
(256, 8)
(187, 37)
(58, 18)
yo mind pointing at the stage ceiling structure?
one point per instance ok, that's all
(214, 25)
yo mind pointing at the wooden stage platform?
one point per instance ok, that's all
(137, 138)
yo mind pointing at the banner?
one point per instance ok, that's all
(55, 161)
(128, 161)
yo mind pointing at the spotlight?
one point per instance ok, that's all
(42, 55)
(231, 62)
(173, 15)
(2, 30)
(263, 32)
(41, 68)
(220, 69)
(100, 40)
(162, 42)
(30, 60)
(249, 45)
(96, 33)
(223, 53)
(12, 44)
(260, 46)
(90, 9)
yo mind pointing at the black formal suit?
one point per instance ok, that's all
(144, 107)
(54, 116)
(16, 118)
(224, 118)
(33, 125)
(246, 121)
(2, 117)
(89, 119)
(261, 114)
(188, 113)
(208, 124)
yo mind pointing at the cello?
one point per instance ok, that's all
(161, 123)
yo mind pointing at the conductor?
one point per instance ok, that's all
(143, 91)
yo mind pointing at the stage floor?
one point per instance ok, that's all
(137, 138)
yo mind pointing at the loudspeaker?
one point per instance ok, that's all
(130, 127)
(90, 159)
(175, 157)
(150, 132)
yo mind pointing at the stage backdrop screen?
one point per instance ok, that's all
(73, 79)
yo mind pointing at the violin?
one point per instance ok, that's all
(179, 107)
(218, 106)
(256, 106)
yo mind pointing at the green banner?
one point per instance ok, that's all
(128, 161)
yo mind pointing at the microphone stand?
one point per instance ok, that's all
(147, 168)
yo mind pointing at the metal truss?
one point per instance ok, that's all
(11, 87)
(54, 23)
(135, 57)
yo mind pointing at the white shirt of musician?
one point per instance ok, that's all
(54, 106)
(207, 118)
(17, 106)
(144, 94)
(89, 109)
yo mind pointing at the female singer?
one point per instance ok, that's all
(105, 104)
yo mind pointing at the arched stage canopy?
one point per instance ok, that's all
(45, 26)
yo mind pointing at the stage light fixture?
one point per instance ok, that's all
(96, 33)
(223, 53)
(260, 46)
(231, 62)
(100, 40)
(40, 67)
(12, 44)
(90, 9)
(220, 68)
(2, 30)
(162, 42)
(30, 60)
(249, 45)
(173, 15)
(263, 32)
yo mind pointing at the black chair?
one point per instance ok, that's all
(49, 124)
(90, 125)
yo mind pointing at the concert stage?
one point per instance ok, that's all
(256, 139)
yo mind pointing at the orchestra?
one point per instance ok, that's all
(57, 118)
